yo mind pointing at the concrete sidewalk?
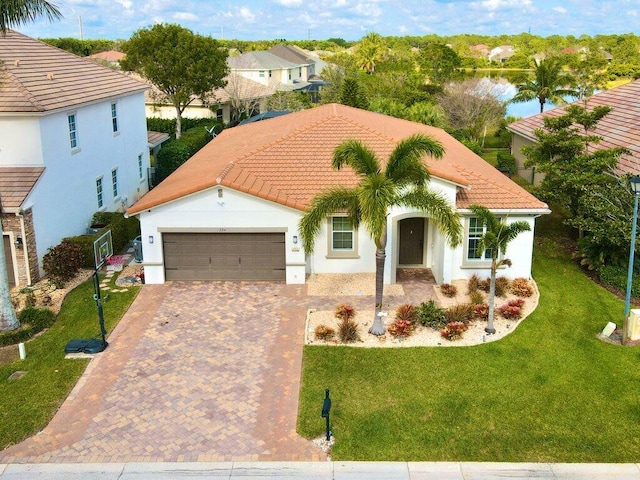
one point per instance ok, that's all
(320, 471)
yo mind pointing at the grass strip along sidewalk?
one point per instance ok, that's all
(549, 392)
(27, 404)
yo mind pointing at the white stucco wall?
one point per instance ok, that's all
(65, 198)
(206, 212)
(20, 142)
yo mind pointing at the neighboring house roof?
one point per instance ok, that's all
(259, 61)
(110, 56)
(620, 128)
(291, 53)
(15, 184)
(287, 160)
(37, 77)
(156, 138)
(502, 52)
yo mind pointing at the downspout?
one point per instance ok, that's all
(25, 250)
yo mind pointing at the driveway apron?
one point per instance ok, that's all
(195, 371)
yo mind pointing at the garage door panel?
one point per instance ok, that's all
(225, 256)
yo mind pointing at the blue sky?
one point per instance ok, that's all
(348, 19)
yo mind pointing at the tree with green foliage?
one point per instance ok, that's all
(352, 95)
(182, 65)
(580, 177)
(495, 239)
(14, 13)
(548, 83)
(371, 49)
(438, 62)
(403, 182)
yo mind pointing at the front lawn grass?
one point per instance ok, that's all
(549, 392)
(27, 404)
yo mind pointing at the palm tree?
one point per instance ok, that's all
(402, 183)
(497, 236)
(548, 83)
(8, 319)
(14, 13)
(370, 51)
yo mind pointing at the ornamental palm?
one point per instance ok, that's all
(548, 84)
(402, 183)
(496, 238)
(14, 13)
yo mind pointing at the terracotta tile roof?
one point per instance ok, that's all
(110, 56)
(288, 160)
(15, 185)
(37, 77)
(620, 128)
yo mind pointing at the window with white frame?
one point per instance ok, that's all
(114, 117)
(99, 192)
(476, 230)
(341, 234)
(140, 169)
(261, 73)
(220, 114)
(114, 182)
(73, 130)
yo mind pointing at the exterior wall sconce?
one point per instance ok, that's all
(18, 242)
(150, 238)
(295, 239)
(220, 193)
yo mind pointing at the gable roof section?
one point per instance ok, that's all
(288, 160)
(260, 60)
(620, 128)
(290, 54)
(15, 184)
(108, 56)
(37, 77)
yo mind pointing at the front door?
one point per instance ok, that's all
(411, 241)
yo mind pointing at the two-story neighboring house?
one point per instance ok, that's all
(269, 69)
(73, 141)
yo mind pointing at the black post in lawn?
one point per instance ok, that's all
(326, 408)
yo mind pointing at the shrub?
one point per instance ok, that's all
(476, 298)
(345, 311)
(172, 154)
(448, 290)
(400, 328)
(406, 312)
(86, 244)
(502, 286)
(506, 163)
(30, 299)
(474, 283)
(323, 332)
(123, 230)
(62, 262)
(520, 287)
(512, 309)
(454, 330)
(430, 315)
(481, 311)
(461, 312)
(348, 331)
(32, 321)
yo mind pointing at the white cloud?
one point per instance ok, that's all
(503, 4)
(185, 16)
(289, 3)
(560, 9)
(247, 15)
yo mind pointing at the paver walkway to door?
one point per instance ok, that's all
(195, 371)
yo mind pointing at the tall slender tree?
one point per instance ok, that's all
(402, 182)
(548, 83)
(498, 234)
(14, 13)
(370, 51)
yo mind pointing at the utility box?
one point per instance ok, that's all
(137, 249)
(632, 326)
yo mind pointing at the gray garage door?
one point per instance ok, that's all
(224, 256)
(9, 259)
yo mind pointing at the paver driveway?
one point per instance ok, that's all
(194, 372)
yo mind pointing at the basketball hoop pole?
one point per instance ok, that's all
(98, 299)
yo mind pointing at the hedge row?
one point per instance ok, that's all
(175, 152)
(168, 125)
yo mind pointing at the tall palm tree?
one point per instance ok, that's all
(370, 50)
(497, 236)
(402, 183)
(14, 13)
(548, 83)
